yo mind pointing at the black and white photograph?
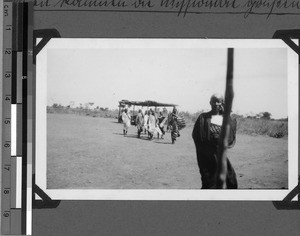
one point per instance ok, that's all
(142, 119)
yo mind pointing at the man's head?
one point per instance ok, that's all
(174, 110)
(217, 103)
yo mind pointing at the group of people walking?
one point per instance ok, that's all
(206, 136)
(153, 123)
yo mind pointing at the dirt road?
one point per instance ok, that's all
(85, 152)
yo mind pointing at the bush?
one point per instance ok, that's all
(272, 128)
(84, 111)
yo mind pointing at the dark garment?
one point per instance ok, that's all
(160, 119)
(206, 139)
(139, 131)
(162, 129)
(139, 123)
(174, 127)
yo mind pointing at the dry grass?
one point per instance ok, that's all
(250, 126)
(272, 128)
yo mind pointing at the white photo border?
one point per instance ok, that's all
(173, 194)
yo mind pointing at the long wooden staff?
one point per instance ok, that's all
(223, 143)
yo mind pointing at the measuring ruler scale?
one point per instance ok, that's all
(16, 189)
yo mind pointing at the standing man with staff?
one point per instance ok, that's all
(206, 134)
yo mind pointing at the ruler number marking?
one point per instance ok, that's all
(6, 10)
(6, 214)
(7, 121)
(6, 145)
(6, 191)
(7, 167)
(7, 75)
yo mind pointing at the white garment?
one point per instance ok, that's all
(216, 119)
(126, 120)
(146, 117)
(152, 124)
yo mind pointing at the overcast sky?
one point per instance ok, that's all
(184, 76)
